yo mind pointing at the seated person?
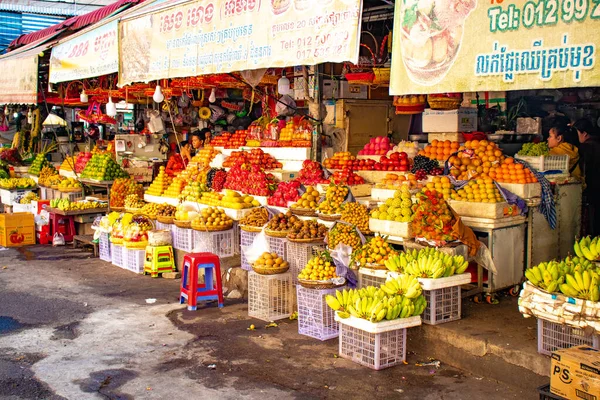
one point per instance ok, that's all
(562, 140)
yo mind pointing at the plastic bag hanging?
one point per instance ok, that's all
(253, 78)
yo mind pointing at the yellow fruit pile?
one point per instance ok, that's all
(334, 197)
(343, 233)
(375, 251)
(257, 217)
(212, 219)
(319, 268)
(133, 201)
(69, 185)
(160, 184)
(309, 199)
(46, 174)
(270, 261)
(480, 191)
(231, 199)
(442, 185)
(358, 215)
(68, 163)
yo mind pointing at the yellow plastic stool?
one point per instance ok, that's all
(159, 259)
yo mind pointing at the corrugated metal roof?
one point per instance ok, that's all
(74, 23)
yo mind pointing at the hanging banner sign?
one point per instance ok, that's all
(210, 36)
(472, 45)
(18, 83)
(94, 53)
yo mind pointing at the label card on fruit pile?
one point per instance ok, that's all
(215, 37)
(466, 45)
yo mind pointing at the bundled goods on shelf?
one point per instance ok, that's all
(286, 192)
(440, 150)
(102, 167)
(160, 183)
(377, 146)
(373, 254)
(17, 183)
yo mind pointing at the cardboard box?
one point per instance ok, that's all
(17, 229)
(348, 91)
(489, 99)
(575, 373)
(461, 120)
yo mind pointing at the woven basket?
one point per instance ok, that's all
(135, 245)
(328, 217)
(444, 103)
(250, 228)
(133, 210)
(277, 234)
(212, 228)
(270, 271)
(164, 220)
(117, 209)
(313, 240)
(303, 212)
(318, 284)
(74, 190)
(116, 240)
(379, 267)
(183, 224)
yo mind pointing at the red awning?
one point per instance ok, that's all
(74, 23)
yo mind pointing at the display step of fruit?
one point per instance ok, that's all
(270, 261)
(68, 164)
(38, 163)
(47, 172)
(176, 187)
(319, 268)
(588, 248)
(480, 191)
(150, 209)
(375, 304)
(70, 185)
(212, 219)
(233, 199)
(102, 167)
(160, 184)
(67, 205)
(282, 222)
(357, 215)
(398, 208)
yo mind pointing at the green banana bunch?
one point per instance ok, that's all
(546, 276)
(582, 285)
(587, 248)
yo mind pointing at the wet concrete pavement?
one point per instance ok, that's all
(85, 331)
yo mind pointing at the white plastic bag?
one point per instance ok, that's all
(58, 239)
(285, 106)
(257, 248)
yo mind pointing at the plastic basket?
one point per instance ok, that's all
(116, 255)
(443, 305)
(134, 260)
(278, 245)
(246, 239)
(161, 226)
(220, 243)
(553, 336)
(183, 239)
(545, 394)
(104, 247)
(298, 255)
(374, 350)
(371, 277)
(236, 238)
(547, 163)
(315, 318)
(269, 296)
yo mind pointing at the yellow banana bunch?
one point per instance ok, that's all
(582, 285)
(451, 265)
(405, 285)
(588, 248)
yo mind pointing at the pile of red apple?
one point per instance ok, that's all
(82, 160)
(346, 177)
(377, 146)
(395, 162)
(229, 141)
(311, 173)
(250, 179)
(286, 192)
(253, 157)
(222, 140)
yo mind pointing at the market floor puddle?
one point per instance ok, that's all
(8, 324)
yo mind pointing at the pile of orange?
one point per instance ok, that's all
(487, 160)
(440, 150)
(395, 181)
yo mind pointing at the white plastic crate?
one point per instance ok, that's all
(298, 255)
(270, 296)
(133, 260)
(183, 239)
(116, 255)
(547, 163)
(443, 305)
(371, 277)
(160, 226)
(219, 243)
(104, 247)
(278, 245)
(374, 350)
(315, 318)
(236, 238)
(553, 336)
(246, 239)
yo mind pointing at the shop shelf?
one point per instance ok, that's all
(443, 305)
(315, 318)
(270, 297)
(133, 260)
(220, 243)
(246, 239)
(553, 336)
(278, 245)
(116, 255)
(371, 277)
(104, 247)
(183, 239)
(298, 255)
(375, 345)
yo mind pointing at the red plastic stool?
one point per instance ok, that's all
(191, 291)
(64, 224)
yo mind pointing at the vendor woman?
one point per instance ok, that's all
(562, 141)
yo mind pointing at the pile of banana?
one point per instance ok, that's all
(574, 277)
(427, 263)
(588, 248)
(376, 304)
